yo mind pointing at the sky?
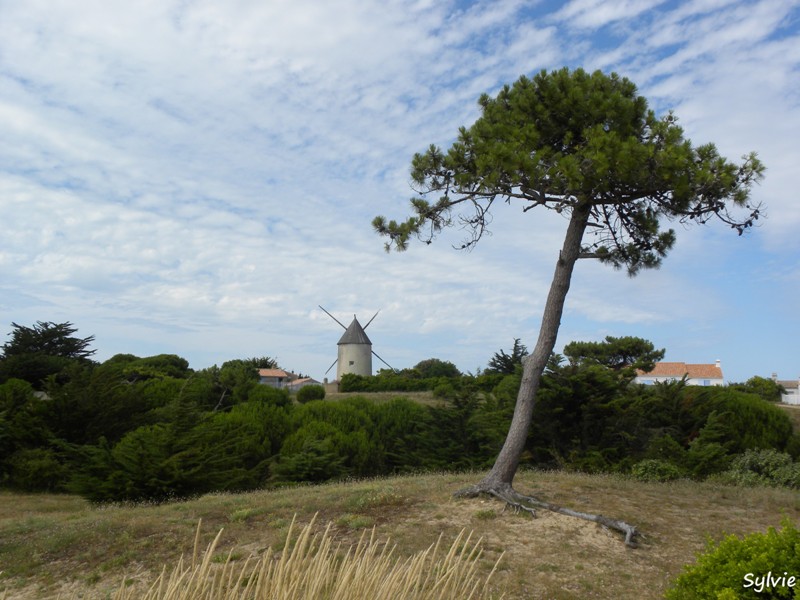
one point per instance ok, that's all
(195, 177)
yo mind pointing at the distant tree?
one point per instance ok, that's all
(435, 367)
(615, 353)
(262, 362)
(35, 353)
(768, 389)
(587, 146)
(310, 392)
(154, 367)
(507, 363)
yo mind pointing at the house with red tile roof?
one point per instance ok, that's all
(277, 378)
(696, 374)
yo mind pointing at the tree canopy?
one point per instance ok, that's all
(616, 353)
(508, 363)
(572, 142)
(34, 353)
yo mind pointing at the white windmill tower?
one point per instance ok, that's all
(355, 349)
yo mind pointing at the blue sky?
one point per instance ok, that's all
(195, 177)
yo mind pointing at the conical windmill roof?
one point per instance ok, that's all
(354, 334)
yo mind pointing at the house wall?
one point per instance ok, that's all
(792, 396)
(276, 382)
(646, 380)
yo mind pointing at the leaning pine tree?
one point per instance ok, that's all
(587, 146)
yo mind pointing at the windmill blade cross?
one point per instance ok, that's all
(334, 318)
(334, 362)
(383, 361)
(372, 319)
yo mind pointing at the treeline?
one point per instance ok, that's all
(134, 428)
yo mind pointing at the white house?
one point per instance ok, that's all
(792, 387)
(277, 378)
(696, 374)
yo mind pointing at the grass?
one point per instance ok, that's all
(793, 411)
(313, 565)
(51, 545)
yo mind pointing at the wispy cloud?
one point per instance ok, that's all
(195, 177)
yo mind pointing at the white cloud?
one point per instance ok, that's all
(197, 177)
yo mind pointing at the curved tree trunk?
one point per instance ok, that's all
(498, 482)
(505, 467)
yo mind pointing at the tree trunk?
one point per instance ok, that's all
(505, 467)
(498, 482)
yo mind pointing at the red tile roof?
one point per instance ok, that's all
(273, 373)
(679, 369)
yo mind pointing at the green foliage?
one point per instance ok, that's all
(736, 568)
(507, 364)
(566, 138)
(50, 339)
(44, 350)
(37, 470)
(767, 389)
(444, 390)
(156, 367)
(653, 469)
(390, 381)
(310, 392)
(434, 367)
(627, 353)
(763, 467)
(270, 395)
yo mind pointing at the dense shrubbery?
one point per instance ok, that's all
(151, 428)
(309, 393)
(739, 568)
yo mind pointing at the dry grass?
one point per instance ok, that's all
(312, 565)
(52, 545)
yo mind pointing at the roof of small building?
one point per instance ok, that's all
(679, 369)
(304, 381)
(354, 334)
(789, 384)
(275, 373)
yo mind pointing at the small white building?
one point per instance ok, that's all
(696, 374)
(792, 387)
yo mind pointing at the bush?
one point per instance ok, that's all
(763, 467)
(653, 469)
(37, 470)
(310, 392)
(736, 568)
(444, 390)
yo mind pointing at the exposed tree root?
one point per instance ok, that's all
(511, 497)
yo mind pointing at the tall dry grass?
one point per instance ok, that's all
(314, 566)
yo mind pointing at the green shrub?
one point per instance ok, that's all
(653, 469)
(37, 470)
(444, 390)
(310, 392)
(763, 467)
(737, 568)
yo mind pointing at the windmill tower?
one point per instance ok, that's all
(355, 349)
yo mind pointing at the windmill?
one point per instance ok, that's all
(355, 349)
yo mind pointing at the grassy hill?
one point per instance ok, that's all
(51, 545)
